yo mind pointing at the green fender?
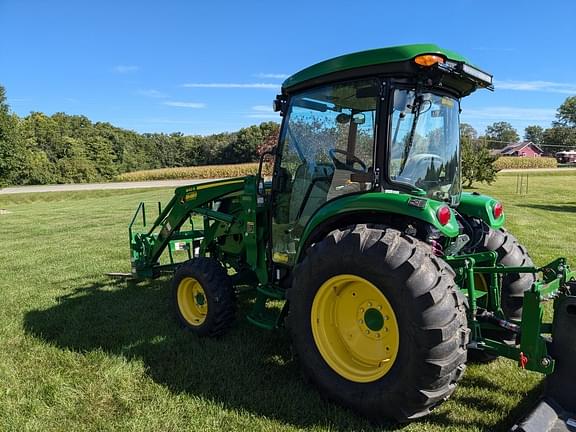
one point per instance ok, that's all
(480, 206)
(419, 208)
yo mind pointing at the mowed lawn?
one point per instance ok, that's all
(79, 351)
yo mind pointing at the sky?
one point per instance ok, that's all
(202, 67)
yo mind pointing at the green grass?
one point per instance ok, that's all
(79, 351)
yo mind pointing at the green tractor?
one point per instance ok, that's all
(389, 276)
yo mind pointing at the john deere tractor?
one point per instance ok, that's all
(390, 276)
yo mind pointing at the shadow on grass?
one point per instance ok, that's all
(563, 208)
(248, 369)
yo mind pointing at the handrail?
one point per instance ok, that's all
(141, 206)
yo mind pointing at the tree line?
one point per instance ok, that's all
(41, 149)
(560, 136)
(61, 148)
(477, 156)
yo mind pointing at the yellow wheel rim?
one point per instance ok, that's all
(355, 328)
(192, 301)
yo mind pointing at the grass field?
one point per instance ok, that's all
(79, 351)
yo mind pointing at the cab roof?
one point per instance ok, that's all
(366, 60)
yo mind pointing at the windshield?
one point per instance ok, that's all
(424, 144)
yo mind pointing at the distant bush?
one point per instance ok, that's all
(511, 162)
(196, 172)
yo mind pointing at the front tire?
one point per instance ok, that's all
(378, 323)
(203, 297)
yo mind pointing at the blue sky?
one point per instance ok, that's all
(201, 67)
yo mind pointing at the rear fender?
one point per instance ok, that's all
(375, 204)
(481, 207)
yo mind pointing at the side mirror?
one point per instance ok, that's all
(279, 104)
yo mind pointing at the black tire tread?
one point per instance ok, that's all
(440, 333)
(219, 291)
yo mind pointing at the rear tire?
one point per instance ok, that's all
(203, 297)
(378, 267)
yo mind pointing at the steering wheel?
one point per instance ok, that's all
(351, 158)
(417, 165)
(422, 158)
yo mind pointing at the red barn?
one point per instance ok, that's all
(522, 149)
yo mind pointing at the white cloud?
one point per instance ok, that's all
(185, 104)
(262, 112)
(170, 121)
(504, 113)
(151, 93)
(264, 116)
(272, 75)
(233, 85)
(124, 69)
(543, 86)
(262, 108)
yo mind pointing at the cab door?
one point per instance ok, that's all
(326, 151)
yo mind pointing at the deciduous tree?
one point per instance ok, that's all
(500, 134)
(12, 158)
(566, 113)
(534, 134)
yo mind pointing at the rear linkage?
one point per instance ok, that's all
(545, 347)
(534, 351)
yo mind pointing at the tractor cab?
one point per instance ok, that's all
(379, 121)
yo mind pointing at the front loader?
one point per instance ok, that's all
(390, 276)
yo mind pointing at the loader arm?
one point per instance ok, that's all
(147, 247)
